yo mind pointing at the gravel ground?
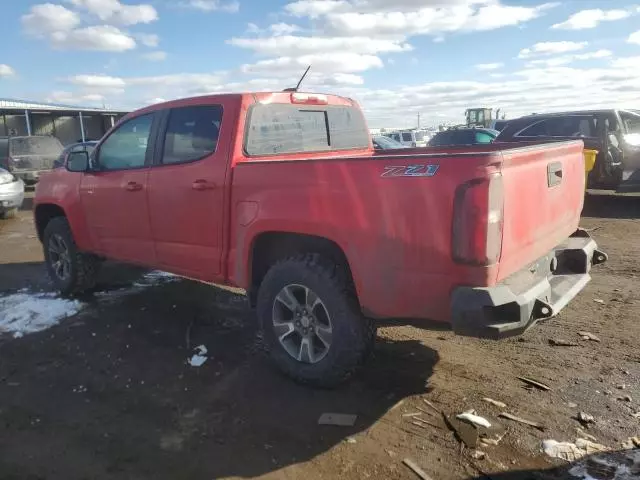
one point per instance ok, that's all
(108, 394)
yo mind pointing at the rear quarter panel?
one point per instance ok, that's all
(395, 232)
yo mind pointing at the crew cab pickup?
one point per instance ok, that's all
(282, 195)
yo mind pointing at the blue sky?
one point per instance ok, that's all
(398, 58)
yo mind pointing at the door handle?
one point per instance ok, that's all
(133, 186)
(554, 174)
(202, 184)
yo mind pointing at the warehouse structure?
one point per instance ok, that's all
(69, 124)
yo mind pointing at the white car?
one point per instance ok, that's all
(410, 138)
(11, 194)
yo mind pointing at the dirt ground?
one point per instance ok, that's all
(108, 394)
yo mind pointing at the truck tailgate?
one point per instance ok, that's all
(543, 199)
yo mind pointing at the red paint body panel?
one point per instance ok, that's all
(396, 232)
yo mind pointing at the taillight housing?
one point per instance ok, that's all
(478, 220)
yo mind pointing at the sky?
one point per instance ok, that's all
(398, 58)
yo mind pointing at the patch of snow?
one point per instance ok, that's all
(23, 313)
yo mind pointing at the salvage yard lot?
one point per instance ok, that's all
(108, 392)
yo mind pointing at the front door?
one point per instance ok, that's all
(186, 190)
(114, 193)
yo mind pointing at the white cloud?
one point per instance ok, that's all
(634, 38)
(550, 48)
(345, 62)
(47, 18)
(585, 19)
(315, 8)
(489, 66)
(567, 59)
(148, 39)
(97, 81)
(213, 5)
(287, 45)
(59, 25)
(115, 12)
(468, 17)
(70, 98)
(157, 56)
(283, 28)
(6, 71)
(104, 38)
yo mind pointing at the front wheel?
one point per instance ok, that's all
(70, 270)
(311, 321)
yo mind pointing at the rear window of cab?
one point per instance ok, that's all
(274, 129)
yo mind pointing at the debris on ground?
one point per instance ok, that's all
(631, 442)
(535, 383)
(396, 405)
(351, 440)
(467, 433)
(589, 336)
(522, 420)
(198, 358)
(598, 300)
(427, 402)
(414, 414)
(582, 434)
(416, 469)
(471, 416)
(337, 419)
(495, 402)
(572, 451)
(621, 387)
(559, 342)
(572, 405)
(585, 418)
(636, 415)
(626, 398)
(478, 455)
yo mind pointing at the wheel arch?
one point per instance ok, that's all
(44, 213)
(269, 247)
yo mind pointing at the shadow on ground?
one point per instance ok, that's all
(620, 465)
(611, 206)
(108, 393)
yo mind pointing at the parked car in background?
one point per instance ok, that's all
(27, 157)
(11, 193)
(615, 134)
(380, 142)
(282, 195)
(410, 138)
(87, 146)
(463, 136)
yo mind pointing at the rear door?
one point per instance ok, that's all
(114, 194)
(187, 189)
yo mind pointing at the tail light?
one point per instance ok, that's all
(477, 221)
(309, 98)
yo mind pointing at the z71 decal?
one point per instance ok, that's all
(410, 171)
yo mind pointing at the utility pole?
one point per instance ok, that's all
(418, 120)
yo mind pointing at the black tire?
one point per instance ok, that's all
(83, 267)
(353, 334)
(7, 214)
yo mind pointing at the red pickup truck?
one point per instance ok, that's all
(282, 194)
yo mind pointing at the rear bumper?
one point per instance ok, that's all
(537, 292)
(29, 176)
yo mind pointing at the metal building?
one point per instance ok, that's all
(69, 124)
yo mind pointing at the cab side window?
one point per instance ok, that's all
(192, 133)
(127, 146)
(406, 137)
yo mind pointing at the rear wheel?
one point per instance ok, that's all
(70, 270)
(312, 322)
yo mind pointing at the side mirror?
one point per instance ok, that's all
(78, 162)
